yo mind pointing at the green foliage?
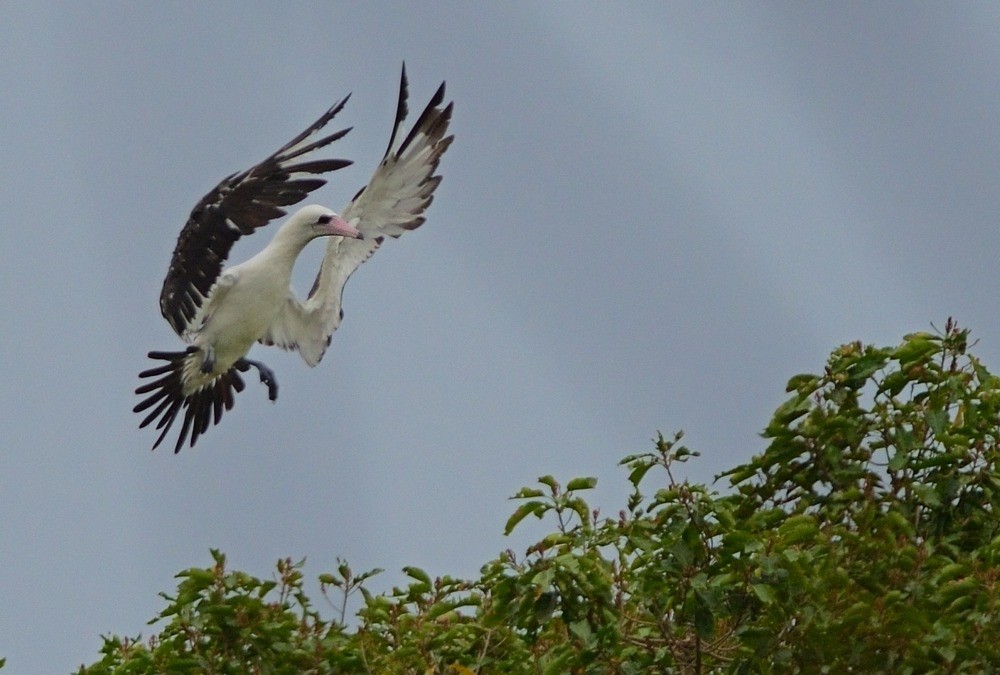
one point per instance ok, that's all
(865, 538)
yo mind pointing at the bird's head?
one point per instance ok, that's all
(322, 222)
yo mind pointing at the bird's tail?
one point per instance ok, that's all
(166, 397)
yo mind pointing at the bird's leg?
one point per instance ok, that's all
(266, 375)
(208, 361)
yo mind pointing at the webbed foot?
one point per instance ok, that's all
(266, 375)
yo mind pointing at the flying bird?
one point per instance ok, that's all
(221, 312)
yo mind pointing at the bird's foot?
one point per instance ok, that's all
(266, 376)
(208, 361)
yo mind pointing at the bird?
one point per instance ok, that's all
(221, 312)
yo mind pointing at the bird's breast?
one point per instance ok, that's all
(240, 318)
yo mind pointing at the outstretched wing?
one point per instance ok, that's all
(392, 203)
(238, 205)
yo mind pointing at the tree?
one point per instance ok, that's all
(865, 537)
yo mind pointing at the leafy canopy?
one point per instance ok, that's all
(864, 537)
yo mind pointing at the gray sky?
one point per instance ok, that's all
(652, 216)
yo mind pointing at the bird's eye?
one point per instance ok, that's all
(324, 219)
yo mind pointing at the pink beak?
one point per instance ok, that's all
(341, 228)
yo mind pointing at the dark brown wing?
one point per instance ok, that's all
(238, 205)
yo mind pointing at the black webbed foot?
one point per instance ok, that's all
(266, 375)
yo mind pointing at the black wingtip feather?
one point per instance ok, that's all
(401, 109)
(315, 126)
(442, 117)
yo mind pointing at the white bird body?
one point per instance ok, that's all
(247, 301)
(221, 313)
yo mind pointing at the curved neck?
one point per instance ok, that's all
(288, 242)
(284, 248)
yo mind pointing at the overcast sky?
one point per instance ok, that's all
(652, 216)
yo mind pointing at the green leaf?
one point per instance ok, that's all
(937, 420)
(549, 480)
(737, 540)
(586, 483)
(682, 552)
(792, 409)
(553, 539)
(921, 336)
(636, 475)
(866, 365)
(797, 529)
(899, 522)
(926, 494)
(804, 383)
(738, 474)
(581, 629)
(895, 382)
(200, 578)
(369, 574)
(904, 439)
(951, 571)
(528, 493)
(543, 579)
(725, 518)
(522, 512)
(916, 348)
(581, 508)
(898, 461)
(418, 574)
(764, 593)
(983, 375)
(962, 588)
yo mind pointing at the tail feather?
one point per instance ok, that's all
(167, 399)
